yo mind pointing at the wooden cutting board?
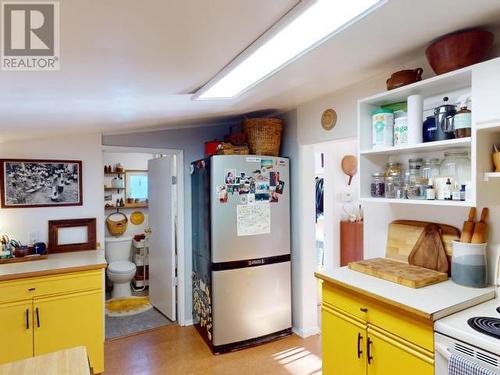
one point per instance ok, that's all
(404, 234)
(399, 272)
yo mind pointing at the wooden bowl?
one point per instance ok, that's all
(458, 50)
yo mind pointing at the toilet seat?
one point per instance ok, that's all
(121, 267)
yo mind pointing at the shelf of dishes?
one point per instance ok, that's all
(418, 179)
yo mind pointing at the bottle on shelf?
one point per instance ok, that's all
(430, 193)
(447, 191)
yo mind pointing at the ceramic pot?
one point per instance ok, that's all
(404, 77)
(458, 50)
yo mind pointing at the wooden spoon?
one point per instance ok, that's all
(468, 229)
(481, 228)
(350, 166)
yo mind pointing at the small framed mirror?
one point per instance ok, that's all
(136, 185)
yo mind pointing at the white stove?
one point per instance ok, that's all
(473, 333)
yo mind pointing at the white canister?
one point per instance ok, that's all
(468, 264)
(382, 129)
(401, 130)
(415, 119)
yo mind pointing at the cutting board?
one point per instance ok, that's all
(399, 272)
(404, 234)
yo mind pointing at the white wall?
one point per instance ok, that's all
(130, 161)
(20, 222)
(191, 141)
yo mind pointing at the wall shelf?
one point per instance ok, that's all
(490, 175)
(113, 188)
(421, 147)
(128, 205)
(419, 202)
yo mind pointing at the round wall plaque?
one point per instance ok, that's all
(328, 119)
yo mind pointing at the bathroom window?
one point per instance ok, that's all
(137, 184)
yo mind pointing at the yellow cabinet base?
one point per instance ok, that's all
(53, 313)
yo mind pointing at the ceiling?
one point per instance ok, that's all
(127, 66)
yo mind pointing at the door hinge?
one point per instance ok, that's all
(175, 281)
(174, 180)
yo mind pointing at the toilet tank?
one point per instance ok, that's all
(118, 248)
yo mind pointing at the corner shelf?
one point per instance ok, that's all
(419, 202)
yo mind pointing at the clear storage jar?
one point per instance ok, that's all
(457, 166)
(392, 185)
(430, 168)
(417, 183)
(377, 188)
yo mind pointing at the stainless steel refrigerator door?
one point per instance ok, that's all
(251, 302)
(226, 244)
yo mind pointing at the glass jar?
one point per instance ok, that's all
(377, 188)
(392, 185)
(417, 183)
(430, 168)
(456, 165)
(392, 167)
(462, 123)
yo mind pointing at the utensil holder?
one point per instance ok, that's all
(468, 264)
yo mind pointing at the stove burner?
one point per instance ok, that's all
(487, 325)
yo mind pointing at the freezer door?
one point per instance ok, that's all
(251, 302)
(227, 245)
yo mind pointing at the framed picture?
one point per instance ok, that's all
(72, 235)
(40, 183)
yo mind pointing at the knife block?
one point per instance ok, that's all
(351, 242)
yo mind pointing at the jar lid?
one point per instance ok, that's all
(378, 174)
(394, 174)
(393, 164)
(432, 161)
(456, 153)
(382, 110)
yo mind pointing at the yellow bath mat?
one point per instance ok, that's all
(127, 306)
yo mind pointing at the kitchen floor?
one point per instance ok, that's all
(181, 350)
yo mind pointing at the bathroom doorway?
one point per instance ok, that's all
(142, 203)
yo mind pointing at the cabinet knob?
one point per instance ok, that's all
(31, 289)
(364, 309)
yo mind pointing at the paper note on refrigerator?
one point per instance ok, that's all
(253, 219)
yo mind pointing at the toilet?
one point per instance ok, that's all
(120, 270)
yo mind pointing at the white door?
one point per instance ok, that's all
(162, 239)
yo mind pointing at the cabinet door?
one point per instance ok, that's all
(16, 331)
(388, 354)
(485, 83)
(343, 340)
(71, 320)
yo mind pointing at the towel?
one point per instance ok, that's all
(462, 366)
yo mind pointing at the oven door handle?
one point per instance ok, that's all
(443, 350)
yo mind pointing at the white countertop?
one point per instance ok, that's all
(54, 264)
(433, 301)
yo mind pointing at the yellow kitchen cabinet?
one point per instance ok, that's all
(71, 320)
(16, 331)
(389, 355)
(365, 336)
(64, 311)
(343, 340)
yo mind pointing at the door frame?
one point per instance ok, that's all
(179, 213)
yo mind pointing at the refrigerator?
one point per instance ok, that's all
(241, 250)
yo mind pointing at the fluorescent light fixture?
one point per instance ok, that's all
(310, 24)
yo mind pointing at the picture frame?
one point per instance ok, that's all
(26, 183)
(70, 235)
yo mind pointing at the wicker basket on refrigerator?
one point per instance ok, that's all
(264, 135)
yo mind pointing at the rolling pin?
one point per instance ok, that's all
(468, 229)
(481, 228)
